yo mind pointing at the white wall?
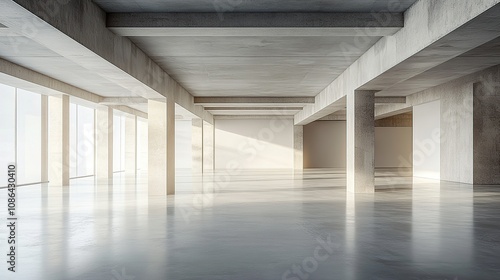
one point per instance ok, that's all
(254, 143)
(393, 146)
(426, 140)
(325, 144)
(183, 145)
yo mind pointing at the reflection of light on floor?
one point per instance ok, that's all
(256, 225)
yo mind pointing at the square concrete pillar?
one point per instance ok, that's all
(197, 145)
(131, 145)
(208, 146)
(103, 144)
(58, 140)
(361, 142)
(486, 135)
(161, 147)
(298, 146)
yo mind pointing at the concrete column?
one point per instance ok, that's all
(104, 144)
(208, 146)
(197, 145)
(486, 135)
(298, 146)
(45, 139)
(361, 142)
(131, 145)
(161, 147)
(58, 139)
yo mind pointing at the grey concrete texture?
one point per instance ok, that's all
(76, 31)
(251, 20)
(487, 129)
(256, 228)
(238, 6)
(361, 142)
(452, 29)
(298, 147)
(254, 66)
(469, 125)
(400, 120)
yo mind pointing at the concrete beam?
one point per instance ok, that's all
(253, 24)
(251, 117)
(21, 77)
(251, 108)
(123, 100)
(454, 27)
(77, 31)
(27, 79)
(390, 99)
(277, 113)
(253, 101)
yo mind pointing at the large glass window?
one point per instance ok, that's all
(7, 130)
(85, 148)
(118, 142)
(81, 141)
(29, 137)
(21, 134)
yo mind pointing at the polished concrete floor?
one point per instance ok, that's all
(257, 225)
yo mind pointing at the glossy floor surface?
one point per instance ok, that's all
(257, 225)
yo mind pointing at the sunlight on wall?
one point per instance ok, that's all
(426, 140)
(254, 144)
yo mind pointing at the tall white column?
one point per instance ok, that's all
(161, 147)
(104, 144)
(131, 145)
(208, 147)
(58, 140)
(197, 145)
(361, 142)
(298, 147)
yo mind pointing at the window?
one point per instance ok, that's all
(118, 142)
(29, 137)
(7, 130)
(81, 141)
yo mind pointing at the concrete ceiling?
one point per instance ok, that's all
(254, 66)
(30, 54)
(480, 58)
(358, 6)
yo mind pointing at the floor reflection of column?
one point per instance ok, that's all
(350, 235)
(359, 237)
(55, 201)
(426, 226)
(457, 229)
(442, 223)
(103, 221)
(159, 232)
